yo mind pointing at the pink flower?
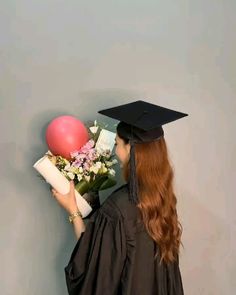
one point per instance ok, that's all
(77, 163)
(86, 166)
(74, 154)
(80, 156)
(92, 154)
(87, 146)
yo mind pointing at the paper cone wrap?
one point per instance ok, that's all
(59, 182)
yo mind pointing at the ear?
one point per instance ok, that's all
(127, 147)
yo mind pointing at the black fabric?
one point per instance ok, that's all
(142, 114)
(115, 255)
(137, 135)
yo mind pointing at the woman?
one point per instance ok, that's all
(130, 245)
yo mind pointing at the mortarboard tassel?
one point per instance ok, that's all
(133, 186)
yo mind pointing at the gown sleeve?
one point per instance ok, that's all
(97, 260)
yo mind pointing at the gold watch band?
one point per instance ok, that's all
(74, 215)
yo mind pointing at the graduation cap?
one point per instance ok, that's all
(140, 122)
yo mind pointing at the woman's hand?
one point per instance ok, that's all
(67, 201)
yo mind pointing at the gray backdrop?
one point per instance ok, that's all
(75, 57)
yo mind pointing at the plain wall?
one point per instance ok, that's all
(76, 57)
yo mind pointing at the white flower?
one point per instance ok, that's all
(112, 172)
(94, 169)
(67, 167)
(79, 177)
(73, 169)
(109, 163)
(114, 161)
(71, 175)
(94, 129)
(80, 170)
(105, 152)
(87, 178)
(103, 168)
(98, 164)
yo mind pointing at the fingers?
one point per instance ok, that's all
(54, 192)
(67, 201)
(58, 195)
(72, 185)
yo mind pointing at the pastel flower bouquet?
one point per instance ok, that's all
(90, 166)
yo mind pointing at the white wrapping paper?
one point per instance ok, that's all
(106, 140)
(55, 178)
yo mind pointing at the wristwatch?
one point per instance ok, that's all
(74, 215)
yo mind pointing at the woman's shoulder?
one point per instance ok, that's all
(119, 194)
(119, 205)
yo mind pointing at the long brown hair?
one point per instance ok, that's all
(157, 201)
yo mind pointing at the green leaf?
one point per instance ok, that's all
(109, 182)
(95, 185)
(82, 187)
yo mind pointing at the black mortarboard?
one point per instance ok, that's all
(142, 122)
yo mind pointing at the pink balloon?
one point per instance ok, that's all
(66, 134)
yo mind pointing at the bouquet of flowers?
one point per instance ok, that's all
(90, 167)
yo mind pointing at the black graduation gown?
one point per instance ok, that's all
(116, 256)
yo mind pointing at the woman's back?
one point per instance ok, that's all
(120, 256)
